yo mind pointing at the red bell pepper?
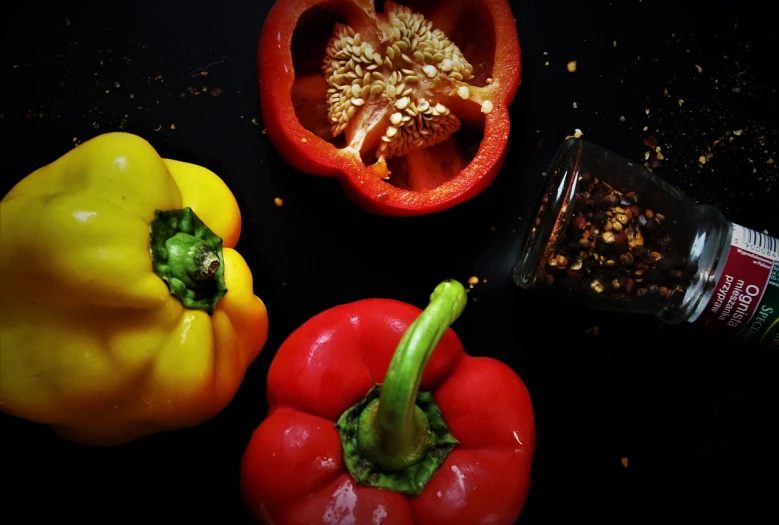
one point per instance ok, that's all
(368, 424)
(407, 108)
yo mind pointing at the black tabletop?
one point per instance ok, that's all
(636, 421)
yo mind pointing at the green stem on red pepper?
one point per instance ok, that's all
(396, 438)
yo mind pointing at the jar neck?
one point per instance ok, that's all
(710, 251)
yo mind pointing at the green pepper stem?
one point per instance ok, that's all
(191, 260)
(394, 431)
(207, 265)
(188, 257)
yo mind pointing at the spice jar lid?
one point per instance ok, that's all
(549, 216)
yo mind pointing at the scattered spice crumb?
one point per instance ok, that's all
(595, 330)
(473, 280)
(614, 43)
(172, 126)
(546, 63)
(625, 462)
(304, 140)
(702, 160)
(699, 68)
(681, 101)
(622, 119)
(770, 161)
(203, 73)
(278, 201)
(255, 122)
(571, 66)
(159, 127)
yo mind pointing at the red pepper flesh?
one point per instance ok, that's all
(333, 78)
(294, 471)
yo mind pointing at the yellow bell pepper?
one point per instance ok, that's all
(124, 309)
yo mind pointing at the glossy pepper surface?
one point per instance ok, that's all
(378, 416)
(405, 104)
(124, 310)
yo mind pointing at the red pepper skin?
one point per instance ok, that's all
(293, 472)
(309, 153)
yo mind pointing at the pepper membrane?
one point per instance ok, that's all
(406, 104)
(377, 415)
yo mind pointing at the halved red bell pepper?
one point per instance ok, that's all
(378, 416)
(406, 105)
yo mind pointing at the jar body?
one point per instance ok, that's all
(608, 234)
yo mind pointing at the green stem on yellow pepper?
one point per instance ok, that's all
(187, 255)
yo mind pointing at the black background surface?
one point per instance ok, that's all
(694, 416)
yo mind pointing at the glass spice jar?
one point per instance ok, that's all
(609, 234)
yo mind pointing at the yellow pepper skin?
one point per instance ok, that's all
(92, 340)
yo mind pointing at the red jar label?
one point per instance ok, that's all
(745, 303)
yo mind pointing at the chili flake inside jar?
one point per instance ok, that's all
(614, 245)
(606, 233)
